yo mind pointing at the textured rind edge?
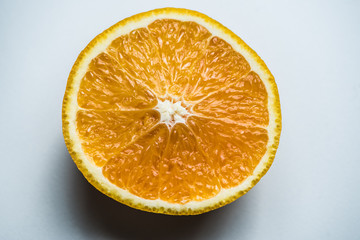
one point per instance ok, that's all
(274, 105)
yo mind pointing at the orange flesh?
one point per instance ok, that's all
(219, 145)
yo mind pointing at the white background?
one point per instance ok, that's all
(312, 189)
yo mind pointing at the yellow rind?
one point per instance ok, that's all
(274, 107)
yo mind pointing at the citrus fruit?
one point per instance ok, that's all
(170, 112)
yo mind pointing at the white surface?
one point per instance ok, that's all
(312, 189)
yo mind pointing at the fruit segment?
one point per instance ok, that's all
(245, 101)
(180, 44)
(136, 168)
(140, 59)
(106, 86)
(105, 133)
(219, 66)
(186, 173)
(235, 150)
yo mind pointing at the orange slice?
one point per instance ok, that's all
(170, 112)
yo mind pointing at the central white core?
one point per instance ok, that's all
(171, 112)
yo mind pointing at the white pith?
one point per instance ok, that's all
(169, 113)
(172, 112)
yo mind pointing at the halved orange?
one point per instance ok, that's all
(170, 112)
